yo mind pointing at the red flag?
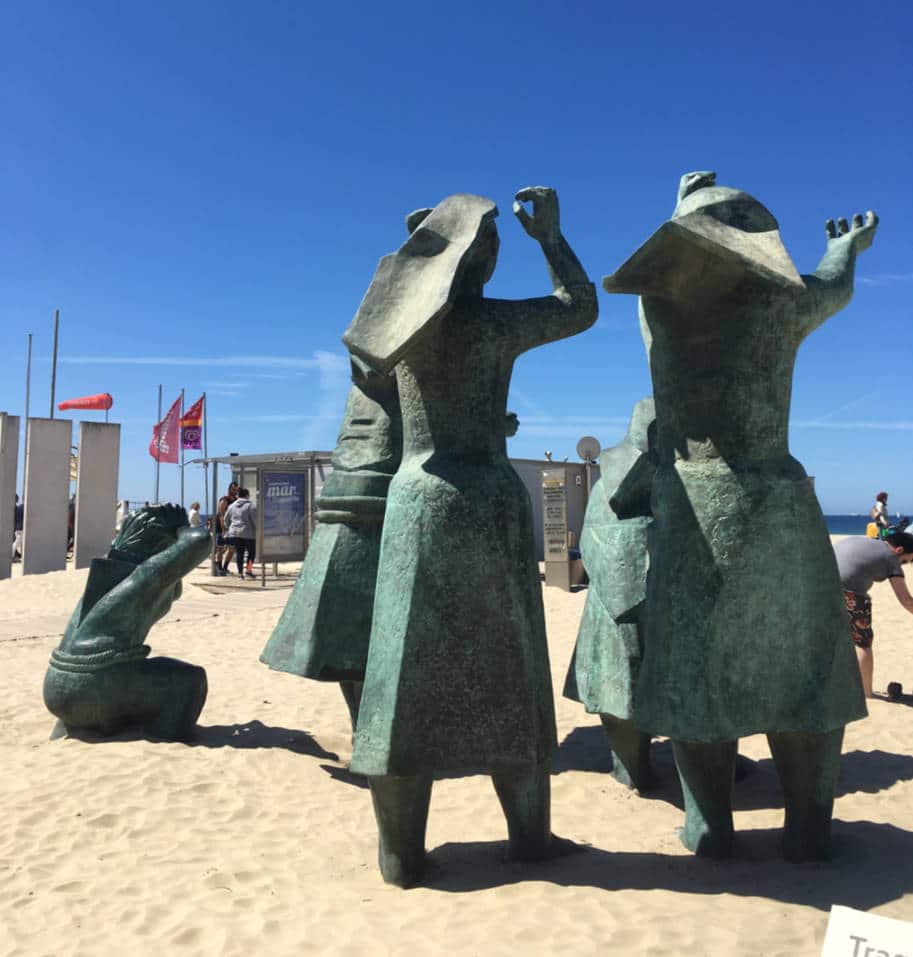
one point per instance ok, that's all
(164, 444)
(192, 425)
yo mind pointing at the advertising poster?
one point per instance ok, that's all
(283, 516)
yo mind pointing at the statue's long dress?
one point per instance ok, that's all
(324, 630)
(602, 674)
(747, 630)
(458, 672)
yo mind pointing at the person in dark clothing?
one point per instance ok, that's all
(17, 530)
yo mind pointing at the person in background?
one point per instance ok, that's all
(241, 525)
(224, 550)
(193, 516)
(861, 562)
(879, 512)
(17, 530)
(71, 523)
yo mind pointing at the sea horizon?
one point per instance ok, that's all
(847, 524)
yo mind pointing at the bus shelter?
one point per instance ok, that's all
(284, 487)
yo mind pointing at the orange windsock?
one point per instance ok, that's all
(101, 402)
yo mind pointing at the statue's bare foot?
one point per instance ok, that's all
(860, 234)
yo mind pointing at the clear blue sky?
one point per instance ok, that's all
(204, 191)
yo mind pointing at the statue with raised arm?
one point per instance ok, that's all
(746, 630)
(457, 672)
(324, 630)
(603, 671)
(100, 678)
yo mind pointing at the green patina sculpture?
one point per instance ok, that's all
(457, 672)
(603, 671)
(746, 630)
(100, 678)
(324, 630)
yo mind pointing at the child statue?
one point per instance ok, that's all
(458, 673)
(746, 630)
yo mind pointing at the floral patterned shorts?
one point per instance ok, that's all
(859, 608)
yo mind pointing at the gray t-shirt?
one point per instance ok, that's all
(862, 561)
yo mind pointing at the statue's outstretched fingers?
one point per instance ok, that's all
(857, 221)
(532, 193)
(830, 229)
(521, 213)
(871, 218)
(843, 227)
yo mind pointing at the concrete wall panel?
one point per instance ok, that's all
(9, 460)
(47, 493)
(96, 490)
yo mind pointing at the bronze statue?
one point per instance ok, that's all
(100, 678)
(746, 629)
(458, 673)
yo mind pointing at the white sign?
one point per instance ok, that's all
(554, 509)
(854, 933)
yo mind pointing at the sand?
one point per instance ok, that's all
(257, 840)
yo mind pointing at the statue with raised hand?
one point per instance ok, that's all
(100, 678)
(746, 630)
(457, 673)
(603, 671)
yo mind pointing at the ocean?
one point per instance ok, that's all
(848, 524)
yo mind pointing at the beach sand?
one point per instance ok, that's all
(256, 839)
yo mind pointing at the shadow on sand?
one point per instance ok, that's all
(869, 867)
(757, 785)
(255, 734)
(245, 734)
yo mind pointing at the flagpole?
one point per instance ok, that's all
(28, 391)
(181, 442)
(54, 360)
(205, 457)
(158, 449)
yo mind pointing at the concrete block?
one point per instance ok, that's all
(47, 493)
(96, 490)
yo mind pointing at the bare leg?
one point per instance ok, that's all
(808, 766)
(351, 691)
(866, 668)
(706, 772)
(630, 753)
(401, 810)
(229, 552)
(524, 791)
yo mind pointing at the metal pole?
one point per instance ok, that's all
(205, 457)
(181, 443)
(54, 360)
(28, 391)
(215, 516)
(158, 449)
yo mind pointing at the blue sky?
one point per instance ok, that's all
(204, 191)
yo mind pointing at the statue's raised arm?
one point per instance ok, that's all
(830, 286)
(572, 306)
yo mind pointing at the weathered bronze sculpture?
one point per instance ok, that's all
(99, 678)
(603, 671)
(458, 673)
(746, 630)
(324, 630)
